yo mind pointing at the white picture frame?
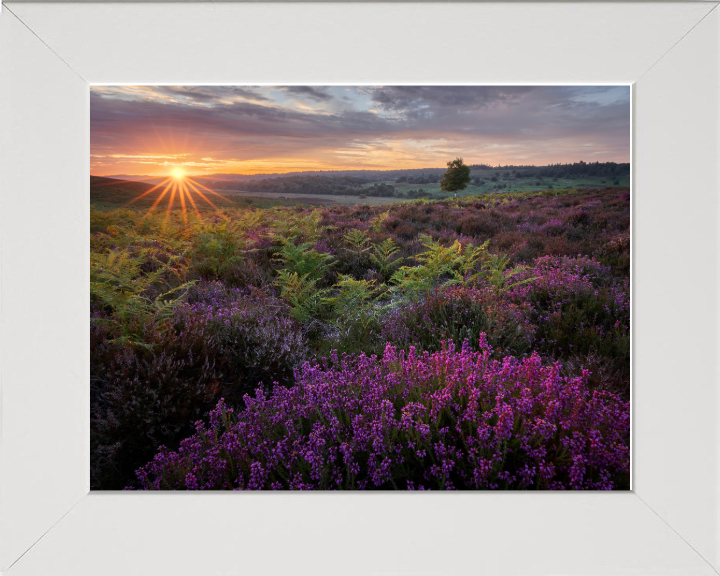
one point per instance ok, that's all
(49, 521)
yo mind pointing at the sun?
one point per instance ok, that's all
(178, 173)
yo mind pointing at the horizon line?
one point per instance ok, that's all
(509, 166)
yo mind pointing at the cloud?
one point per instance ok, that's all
(317, 94)
(468, 97)
(363, 126)
(197, 95)
(179, 94)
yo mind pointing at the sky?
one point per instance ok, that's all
(156, 130)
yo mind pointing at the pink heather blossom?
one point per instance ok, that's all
(453, 419)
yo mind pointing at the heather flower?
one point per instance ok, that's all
(458, 313)
(250, 327)
(453, 419)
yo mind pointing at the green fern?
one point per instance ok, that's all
(358, 240)
(354, 301)
(473, 258)
(301, 293)
(382, 257)
(118, 282)
(291, 226)
(499, 277)
(379, 220)
(218, 249)
(250, 220)
(303, 260)
(440, 265)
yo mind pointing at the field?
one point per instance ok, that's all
(432, 192)
(472, 343)
(273, 197)
(110, 194)
(388, 186)
(509, 184)
(375, 187)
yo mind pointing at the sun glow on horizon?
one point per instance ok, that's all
(184, 187)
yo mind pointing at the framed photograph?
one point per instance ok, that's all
(62, 62)
(294, 267)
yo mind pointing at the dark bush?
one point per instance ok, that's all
(480, 224)
(455, 314)
(406, 231)
(221, 342)
(142, 398)
(578, 217)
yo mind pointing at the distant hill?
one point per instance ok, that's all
(132, 177)
(605, 169)
(117, 192)
(109, 193)
(365, 175)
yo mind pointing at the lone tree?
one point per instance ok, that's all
(456, 178)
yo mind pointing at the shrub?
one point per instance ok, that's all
(222, 341)
(142, 398)
(124, 282)
(578, 217)
(251, 329)
(406, 231)
(481, 223)
(448, 420)
(579, 308)
(456, 314)
(218, 254)
(616, 253)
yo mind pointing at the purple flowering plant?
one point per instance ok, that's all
(453, 419)
(578, 306)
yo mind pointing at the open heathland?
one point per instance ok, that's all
(481, 342)
(111, 194)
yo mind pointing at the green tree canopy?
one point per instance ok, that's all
(457, 176)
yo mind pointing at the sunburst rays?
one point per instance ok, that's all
(187, 192)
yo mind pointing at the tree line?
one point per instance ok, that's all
(324, 185)
(598, 169)
(356, 185)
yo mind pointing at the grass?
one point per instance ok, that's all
(111, 194)
(513, 185)
(274, 199)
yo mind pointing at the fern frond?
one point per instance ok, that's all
(301, 293)
(379, 220)
(304, 260)
(383, 254)
(357, 239)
